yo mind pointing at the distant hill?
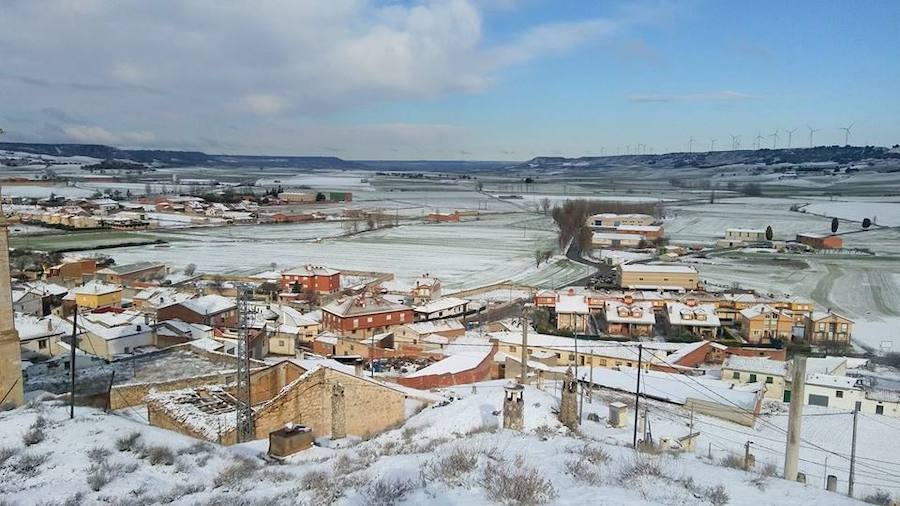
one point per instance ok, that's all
(822, 154)
(179, 158)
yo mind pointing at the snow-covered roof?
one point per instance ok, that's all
(756, 365)
(824, 365)
(209, 304)
(610, 236)
(96, 287)
(701, 315)
(441, 304)
(130, 268)
(162, 296)
(427, 281)
(362, 305)
(754, 311)
(745, 231)
(35, 327)
(675, 268)
(311, 270)
(826, 380)
(572, 304)
(208, 344)
(639, 228)
(612, 349)
(111, 325)
(453, 364)
(686, 350)
(638, 312)
(433, 327)
(44, 289)
(821, 315)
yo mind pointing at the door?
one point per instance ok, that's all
(787, 396)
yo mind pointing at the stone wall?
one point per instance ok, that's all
(125, 396)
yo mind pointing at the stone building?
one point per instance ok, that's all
(282, 394)
(10, 353)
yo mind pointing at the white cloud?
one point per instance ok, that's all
(715, 96)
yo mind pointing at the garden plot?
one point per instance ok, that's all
(463, 255)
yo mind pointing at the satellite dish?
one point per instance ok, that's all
(834, 225)
(866, 223)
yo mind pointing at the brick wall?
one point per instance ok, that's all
(480, 372)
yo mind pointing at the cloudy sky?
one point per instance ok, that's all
(454, 79)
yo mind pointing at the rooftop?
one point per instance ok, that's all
(35, 327)
(311, 270)
(572, 304)
(756, 365)
(638, 312)
(440, 304)
(130, 268)
(674, 268)
(700, 315)
(362, 305)
(209, 304)
(96, 287)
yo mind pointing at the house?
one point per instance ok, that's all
(740, 237)
(174, 332)
(447, 307)
(364, 315)
(572, 312)
(40, 335)
(545, 298)
(427, 288)
(414, 333)
(848, 394)
(212, 310)
(648, 232)
(130, 273)
(297, 197)
(612, 220)
(589, 352)
(330, 401)
(72, 270)
(463, 366)
(657, 277)
(27, 302)
(820, 241)
(151, 299)
(615, 240)
(311, 277)
(96, 294)
(109, 334)
(769, 373)
(827, 328)
(763, 324)
(51, 294)
(628, 318)
(692, 319)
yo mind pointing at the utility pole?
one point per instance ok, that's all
(795, 417)
(591, 383)
(372, 356)
(747, 455)
(853, 455)
(244, 409)
(524, 379)
(72, 364)
(637, 396)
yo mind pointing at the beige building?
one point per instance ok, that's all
(572, 312)
(612, 220)
(691, 319)
(330, 401)
(768, 373)
(763, 323)
(657, 277)
(741, 236)
(614, 240)
(827, 328)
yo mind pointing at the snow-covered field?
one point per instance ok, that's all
(882, 213)
(444, 455)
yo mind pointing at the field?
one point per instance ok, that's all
(77, 240)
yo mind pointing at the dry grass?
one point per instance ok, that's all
(236, 472)
(129, 442)
(158, 455)
(99, 475)
(516, 484)
(388, 491)
(584, 471)
(450, 469)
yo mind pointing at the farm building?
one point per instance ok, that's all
(130, 273)
(820, 241)
(657, 277)
(740, 237)
(615, 240)
(648, 232)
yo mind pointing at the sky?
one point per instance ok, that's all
(454, 79)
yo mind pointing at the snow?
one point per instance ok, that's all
(453, 364)
(658, 268)
(756, 364)
(208, 304)
(883, 213)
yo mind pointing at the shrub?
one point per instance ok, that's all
(157, 455)
(583, 471)
(388, 491)
(324, 487)
(6, 454)
(33, 436)
(717, 496)
(451, 468)
(236, 472)
(99, 475)
(486, 427)
(310, 479)
(640, 467)
(879, 497)
(516, 485)
(28, 464)
(196, 448)
(732, 460)
(129, 442)
(179, 491)
(593, 454)
(98, 454)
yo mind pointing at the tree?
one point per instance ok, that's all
(712, 197)
(479, 186)
(731, 186)
(538, 256)
(370, 223)
(834, 225)
(296, 288)
(769, 233)
(866, 223)
(545, 205)
(189, 269)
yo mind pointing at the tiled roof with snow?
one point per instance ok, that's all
(572, 304)
(34, 327)
(209, 304)
(130, 268)
(440, 305)
(754, 311)
(96, 287)
(311, 270)
(824, 365)
(109, 326)
(638, 312)
(701, 315)
(362, 305)
(432, 327)
(612, 349)
(756, 365)
(821, 315)
(453, 364)
(162, 296)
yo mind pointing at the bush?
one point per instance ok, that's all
(516, 485)
(879, 497)
(593, 454)
(583, 471)
(640, 467)
(129, 442)
(325, 489)
(733, 461)
(236, 472)
(717, 496)
(196, 448)
(451, 468)
(179, 491)
(99, 475)
(6, 454)
(157, 455)
(28, 464)
(388, 491)
(98, 454)
(33, 436)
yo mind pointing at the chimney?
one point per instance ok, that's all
(358, 367)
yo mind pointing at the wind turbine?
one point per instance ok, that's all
(759, 138)
(847, 133)
(790, 135)
(712, 144)
(735, 142)
(691, 144)
(774, 138)
(811, 132)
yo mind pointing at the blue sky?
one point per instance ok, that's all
(468, 79)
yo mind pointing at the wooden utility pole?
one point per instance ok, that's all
(795, 417)
(853, 456)
(637, 396)
(72, 364)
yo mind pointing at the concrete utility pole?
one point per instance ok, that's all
(524, 379)
(795, 417)
(637, 396)
(853, 455)
(72, 363)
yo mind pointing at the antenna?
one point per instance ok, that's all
(774, 138)
(790, 135)
(735, 142)
(811, 132)
(847, 133)
(712, 144)
(244, 410)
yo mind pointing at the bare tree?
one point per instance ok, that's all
(545, 205)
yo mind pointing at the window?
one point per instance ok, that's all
(389, 317)
(752, 378)
(512, 349)
(281, 342)
(571, 356)
(843, 327)
(736, 375)
(356, 322)
(42, 344)
(402, 316)
(769, 379)
(369, 319)
(879, 410)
